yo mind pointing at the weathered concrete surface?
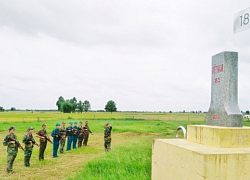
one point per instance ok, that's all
(208, 153)
(217, 136)
(181, 159)
(224, 109)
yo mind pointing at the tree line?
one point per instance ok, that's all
(72, 106)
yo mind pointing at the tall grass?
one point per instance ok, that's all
(131, 160)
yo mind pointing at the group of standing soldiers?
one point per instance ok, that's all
(75, 134)
(13, 144)
(60, 133)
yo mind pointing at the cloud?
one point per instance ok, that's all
(144, 55)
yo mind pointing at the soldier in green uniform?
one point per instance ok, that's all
(42, 134)
(107, 137)
(12, 148)
(28, 140)
(86, 132)
(80, 134)
(63, 136)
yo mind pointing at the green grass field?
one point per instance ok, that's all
(26, 116)
(130, 157)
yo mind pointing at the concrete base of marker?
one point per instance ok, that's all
(199, 158)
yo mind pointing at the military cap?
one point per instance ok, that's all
(58, 124)
(70, 122)
(43, 124)
(107, 123)
(11, 127)
(30, 128)
(75, 122)
(80, 122)
(63, 122)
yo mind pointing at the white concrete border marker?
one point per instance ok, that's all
(242, 20)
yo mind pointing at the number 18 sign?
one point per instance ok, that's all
(242, 20)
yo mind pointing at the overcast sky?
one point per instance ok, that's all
(144, 55)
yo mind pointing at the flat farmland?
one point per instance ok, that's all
(132, 137)
(25, 116)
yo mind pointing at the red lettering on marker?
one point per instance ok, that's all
(216, 117)
(217, 80)
(217, 69)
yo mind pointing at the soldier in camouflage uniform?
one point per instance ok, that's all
(28, 140)
(43, 141)
(63, 136)
(86, 132)
(107, 137)
(80, 134)
(12, 148)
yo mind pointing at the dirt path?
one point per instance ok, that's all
(66, 165)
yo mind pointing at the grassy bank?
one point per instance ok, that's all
(131, 160)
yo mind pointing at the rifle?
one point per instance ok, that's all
(74, 131)
(17, 143)
(34, 142)
(47, 138)
(58, 136)
(69, 131)
(86, 130)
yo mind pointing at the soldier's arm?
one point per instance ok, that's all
(25, 140)
(6, 141)
(90, 131)
(32, 138)
(53, 133)
(38, 134)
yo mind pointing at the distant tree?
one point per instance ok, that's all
(12, 109)
(86, 106)
(73, 101)
(59, 103)
(1, 109)
(79, 106)
(67, 107)
(247, 112)
(110, 106)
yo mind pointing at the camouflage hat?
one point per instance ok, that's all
(107, 123)
(80, 122)
(43, 124)
(30, 128)
(11, 127)
(63, 122)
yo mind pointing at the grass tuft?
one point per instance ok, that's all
(131, 160)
